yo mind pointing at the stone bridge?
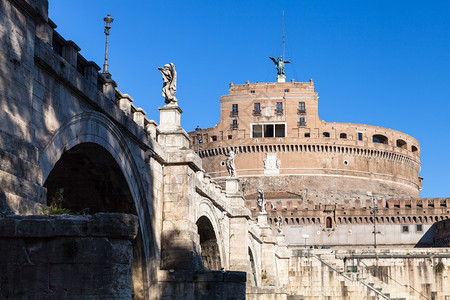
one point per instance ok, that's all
(145, 220)
(66, 127)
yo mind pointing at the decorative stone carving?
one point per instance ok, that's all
(272, 164)
(170, 83)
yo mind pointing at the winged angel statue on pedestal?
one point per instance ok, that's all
(170, 83)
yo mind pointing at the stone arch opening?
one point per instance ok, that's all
(208, 244)
(379, 138)
(91, 181)
(414, 149)
(401, 144)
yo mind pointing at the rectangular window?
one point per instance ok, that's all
(405, 228)
(279, 130)
(360, 136)
(307, 134)
(301, 122)
(257, 109)
(268, 130)
(257, 131)
(214, 138)
(234, 111)
(419, 228)
(235, 123)
(279, 110)
(286, 90)
(301, 108)
(252, 91)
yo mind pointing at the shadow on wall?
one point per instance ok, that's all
(427, 240)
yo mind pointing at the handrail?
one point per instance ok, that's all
(405, 285)
(351, 279)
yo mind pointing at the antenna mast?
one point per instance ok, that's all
(282, 28)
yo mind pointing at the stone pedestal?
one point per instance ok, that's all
(232, 186)
(262, 218)
(281, 78)
(171, 134)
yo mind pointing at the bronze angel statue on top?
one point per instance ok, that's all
(279, 64)
(170, 83)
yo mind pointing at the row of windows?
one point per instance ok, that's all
(268, 130)
(257, 109)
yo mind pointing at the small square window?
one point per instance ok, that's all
(286, 90)
(252, 91)
(307, 135)
(419, 228)
(214, 138)
(230, 137)
(405, 228)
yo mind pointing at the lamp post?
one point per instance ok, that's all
(197, 131)
(306, 236)
(108, 21)
(374, 210)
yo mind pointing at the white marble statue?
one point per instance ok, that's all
(261, 201)
(279, 220)
(170, 83)
(229, 162)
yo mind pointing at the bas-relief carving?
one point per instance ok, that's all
(272, 164)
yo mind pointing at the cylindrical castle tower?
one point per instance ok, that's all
(283, 146)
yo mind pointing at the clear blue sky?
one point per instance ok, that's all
(384, 63)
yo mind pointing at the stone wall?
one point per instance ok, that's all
(67, 257)
(367, 274)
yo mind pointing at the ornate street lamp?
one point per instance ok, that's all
(198, 132)
(108, 21)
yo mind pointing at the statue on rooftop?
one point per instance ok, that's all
(229, 162)
(279, 64)
(170, 83)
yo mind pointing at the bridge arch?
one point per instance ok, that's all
(92, 132)
(211, 237)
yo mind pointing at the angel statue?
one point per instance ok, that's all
(261, 201)
(279, 223)
(170, 83)
(229, 162)
(279, 64)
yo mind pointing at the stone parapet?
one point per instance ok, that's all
(67, 257)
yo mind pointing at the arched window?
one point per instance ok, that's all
(343, 135)
(401, 144)
(378, 138)
(414, 149)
